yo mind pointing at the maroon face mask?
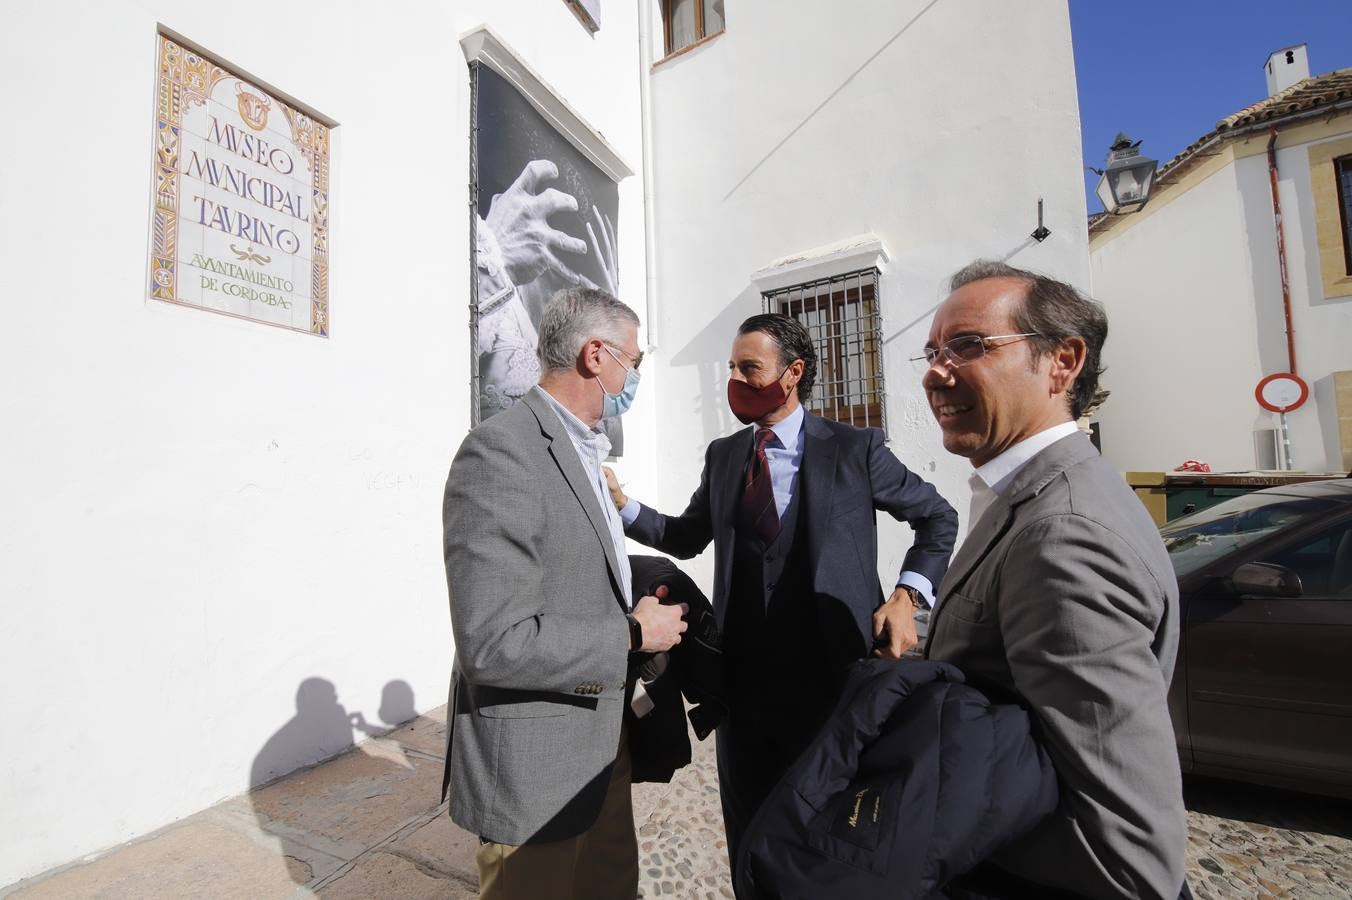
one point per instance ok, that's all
(751, 403)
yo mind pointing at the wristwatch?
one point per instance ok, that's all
(635, 634)
(917, 600)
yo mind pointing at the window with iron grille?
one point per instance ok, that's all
(1343, 169)
(841, 314)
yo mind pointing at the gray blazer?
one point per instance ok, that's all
(541, 639)
(1065, 595)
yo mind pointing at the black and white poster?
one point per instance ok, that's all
(545, 220)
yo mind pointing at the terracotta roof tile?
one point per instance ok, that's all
(1311, 93)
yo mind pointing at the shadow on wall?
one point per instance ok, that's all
(321, 728)
(707, 354)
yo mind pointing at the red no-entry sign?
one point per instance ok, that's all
(1282, 392)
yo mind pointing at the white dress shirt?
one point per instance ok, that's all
(989, 481)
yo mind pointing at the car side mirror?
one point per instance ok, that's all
(1266, 580)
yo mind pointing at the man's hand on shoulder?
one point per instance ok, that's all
(894, 625)
(616, 495)
(662, 624)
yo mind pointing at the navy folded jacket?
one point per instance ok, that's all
(916, 778)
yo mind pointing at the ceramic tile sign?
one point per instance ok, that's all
(240, 215)
(546, 220)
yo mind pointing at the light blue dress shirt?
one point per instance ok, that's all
(785, 455)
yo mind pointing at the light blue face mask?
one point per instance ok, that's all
(618, 404)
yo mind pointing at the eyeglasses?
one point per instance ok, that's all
(636, 360)
(966, 349)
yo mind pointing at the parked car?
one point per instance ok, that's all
(1262, 690)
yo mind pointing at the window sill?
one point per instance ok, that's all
(687, 48)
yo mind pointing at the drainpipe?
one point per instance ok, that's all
(645, 63)
(1281, 252)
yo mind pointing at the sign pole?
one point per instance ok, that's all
(1281, 393)
(1286, 444)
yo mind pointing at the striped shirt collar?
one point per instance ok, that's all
(591, 441)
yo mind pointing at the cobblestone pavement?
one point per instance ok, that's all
(681, 848)
(1243, 841)
(366, 824)
(1254, 842)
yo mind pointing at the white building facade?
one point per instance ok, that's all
(209, 516)
(912, 136)
(1200, 309)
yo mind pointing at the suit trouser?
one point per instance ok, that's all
(600, 863)
(759, 739)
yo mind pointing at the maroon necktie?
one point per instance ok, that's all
(758, 495)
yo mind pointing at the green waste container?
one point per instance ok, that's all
(1168, 495)
(1189, 499)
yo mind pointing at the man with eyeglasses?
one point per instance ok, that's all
(790, 507)
(544, 619)
(1062, 593)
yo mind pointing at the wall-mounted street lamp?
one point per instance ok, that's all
(1124, 186)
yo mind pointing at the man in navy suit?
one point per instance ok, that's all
(789, 505)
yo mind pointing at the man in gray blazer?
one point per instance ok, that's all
(539, 583)
(1062, 593)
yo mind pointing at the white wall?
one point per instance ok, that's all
(202, 512)
(940, 144)
(1182, 357)
(1193, 292)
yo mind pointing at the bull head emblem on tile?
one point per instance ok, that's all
(253, 109)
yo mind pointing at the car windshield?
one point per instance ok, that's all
(1199, 539)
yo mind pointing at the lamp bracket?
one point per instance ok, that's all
(1041, 232)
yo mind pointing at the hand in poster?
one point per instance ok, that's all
(606, 251)
(519, 219)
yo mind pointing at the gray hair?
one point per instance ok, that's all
(574, 316)
(1054, 311)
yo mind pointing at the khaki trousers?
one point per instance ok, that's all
(600, 863)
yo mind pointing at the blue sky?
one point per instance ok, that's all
(1166, 72)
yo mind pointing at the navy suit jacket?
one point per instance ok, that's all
(846, 474)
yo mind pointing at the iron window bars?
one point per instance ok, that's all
(841, 315)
